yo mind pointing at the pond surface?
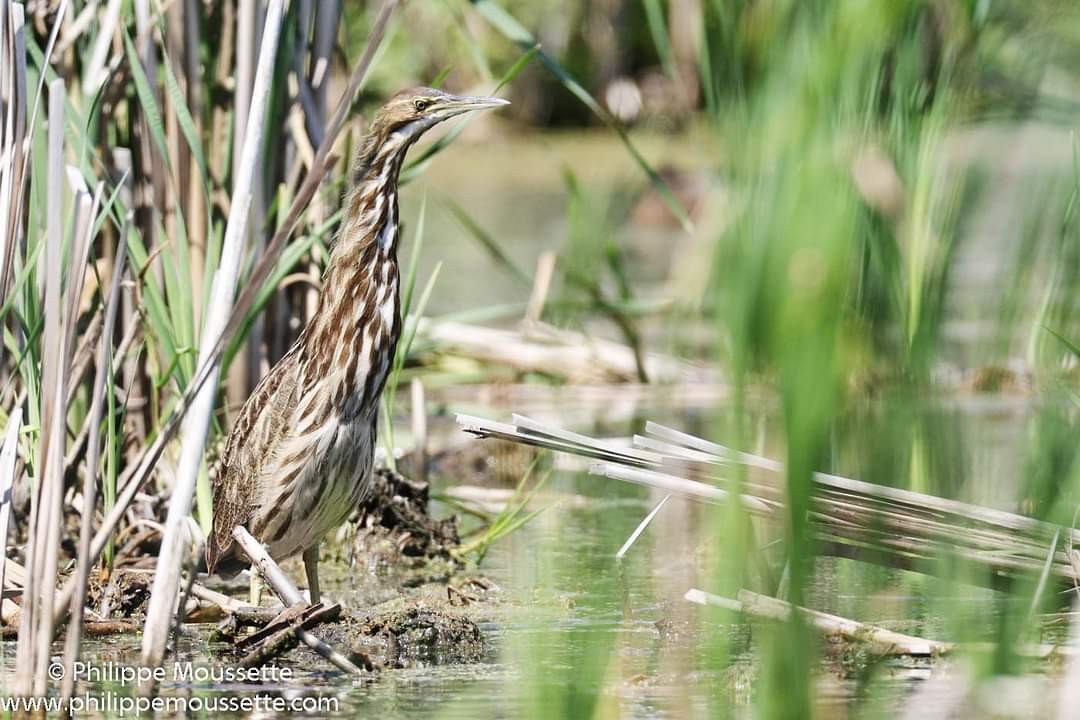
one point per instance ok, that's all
(570, 626)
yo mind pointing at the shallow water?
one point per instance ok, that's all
(570, 625)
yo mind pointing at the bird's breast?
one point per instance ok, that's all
(352, 341)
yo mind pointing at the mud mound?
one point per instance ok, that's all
(394, 529)
(414, 636)
(408, 635)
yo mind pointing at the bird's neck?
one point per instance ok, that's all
(354, 332)
(371, 207)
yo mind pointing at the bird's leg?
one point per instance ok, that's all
(311, 569)
(255, 588)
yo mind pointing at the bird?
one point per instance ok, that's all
(298, 459)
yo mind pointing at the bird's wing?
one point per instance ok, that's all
(262, 422)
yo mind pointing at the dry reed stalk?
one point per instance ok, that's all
(8, 454)
(94, 74)
(850, 518)
(196, 426)
(327, 19)
(80, 260)
(279, 582)
(151, 160)
(540, 348)
(13, 101)
(195, 212)
(545, 272)
(223, 601)
(129, 307)
(14, 573)
(326, 23)
(906, 498)
(312, 120)
(219, 124)
(54, 423)
(419, 429)
(645, 522)
(193, 192)
(243, 372)
(30, 674)
(90, 479)
(244, 74)
(836, 488)
(673, 484)
(884, 642)
(73, 31)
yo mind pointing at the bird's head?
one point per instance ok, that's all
(414, 111)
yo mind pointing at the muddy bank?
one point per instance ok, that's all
(432, 626)
(396, 551)
(394, 530)
(416, 635)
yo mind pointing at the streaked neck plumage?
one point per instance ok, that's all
(354, 332)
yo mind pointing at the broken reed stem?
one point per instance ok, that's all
(12, 130)
(884, 642)
(419, 429)
(7, 480)
(645, 522)
(36, 622)
(270, 571)
(16, 231)
(545, 272)
(538, 347)
(279, 582)
(197, 424)
(90, 479)
(94, 74)
(223, 601)
(859, 520)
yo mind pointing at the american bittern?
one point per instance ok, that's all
(298, 459)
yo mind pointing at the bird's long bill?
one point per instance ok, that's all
(466, 103)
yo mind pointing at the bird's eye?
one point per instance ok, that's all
(420, 105)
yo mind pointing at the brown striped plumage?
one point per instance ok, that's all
(298, 459)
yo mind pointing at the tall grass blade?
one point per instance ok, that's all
(488, 243)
